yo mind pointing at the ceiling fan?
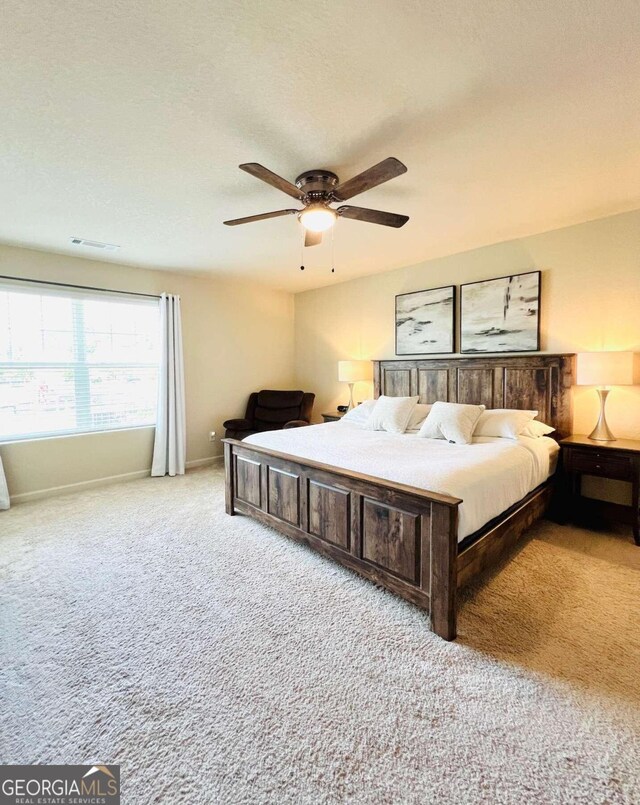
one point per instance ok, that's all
(318, 189)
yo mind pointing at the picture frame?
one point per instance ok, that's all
(425, 321)
(501, 314)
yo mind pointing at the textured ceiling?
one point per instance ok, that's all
(125, 122)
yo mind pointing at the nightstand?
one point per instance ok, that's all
(334, 416)
(619, 460)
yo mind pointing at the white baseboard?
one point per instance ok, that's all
(78, 487)
(204, 462)
(53, 491)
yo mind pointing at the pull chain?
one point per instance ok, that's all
(333, 247)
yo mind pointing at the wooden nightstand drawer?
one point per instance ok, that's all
(594, 462)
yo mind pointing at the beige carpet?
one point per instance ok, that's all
(217, 661)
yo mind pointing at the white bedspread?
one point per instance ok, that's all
(489, 475)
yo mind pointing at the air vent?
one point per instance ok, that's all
(95, 244)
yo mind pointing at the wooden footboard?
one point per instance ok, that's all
(398, 536)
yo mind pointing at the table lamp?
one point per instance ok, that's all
(604, 369)
(353, 372)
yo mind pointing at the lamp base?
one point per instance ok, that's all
(351, 403)
(601, 432)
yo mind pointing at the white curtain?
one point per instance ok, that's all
(169, 449)
(4, 492)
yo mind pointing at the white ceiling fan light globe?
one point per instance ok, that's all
(317, 218)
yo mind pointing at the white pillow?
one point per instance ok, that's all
(360, 413)
(537, 429)
(418, 416)
(451, 421)
(507, 423)
(391, 414)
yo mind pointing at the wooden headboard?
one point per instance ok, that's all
(541, 382)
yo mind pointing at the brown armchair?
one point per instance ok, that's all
(272, 410)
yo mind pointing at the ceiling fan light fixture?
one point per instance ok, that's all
(317, 218)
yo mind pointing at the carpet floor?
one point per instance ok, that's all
(219, 662)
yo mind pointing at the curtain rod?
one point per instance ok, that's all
(81, 287)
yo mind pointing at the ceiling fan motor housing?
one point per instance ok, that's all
(317, 184)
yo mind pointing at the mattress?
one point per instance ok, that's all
(489, 475)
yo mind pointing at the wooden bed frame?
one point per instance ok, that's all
(398, 536)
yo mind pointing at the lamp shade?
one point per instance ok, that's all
(605, 369)
(354, 371)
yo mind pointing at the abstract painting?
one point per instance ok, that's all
(501, 315)
(425, 321)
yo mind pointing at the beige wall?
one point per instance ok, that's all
(237, 338)
(590, 301)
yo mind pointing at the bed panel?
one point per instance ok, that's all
(391, 539)
(398, 383)
(476, 386)
(433, 384)
(283, 495)
(529, 388)
(248, 481)
(329, 514)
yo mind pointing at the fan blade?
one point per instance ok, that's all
(373, 216)
(260, 172)
(250, 218)
(387, 169)
(312, 238)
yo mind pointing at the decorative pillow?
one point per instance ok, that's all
(507, 423)
(360, 413)
(391, 414)
(451, 421)
(537, 429)
(418, 416)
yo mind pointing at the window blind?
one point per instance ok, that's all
(75, 361)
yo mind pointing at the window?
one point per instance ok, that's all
(74, 362)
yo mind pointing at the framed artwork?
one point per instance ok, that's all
(501, 315)
(425, 321)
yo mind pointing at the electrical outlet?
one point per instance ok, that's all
(212, 435)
